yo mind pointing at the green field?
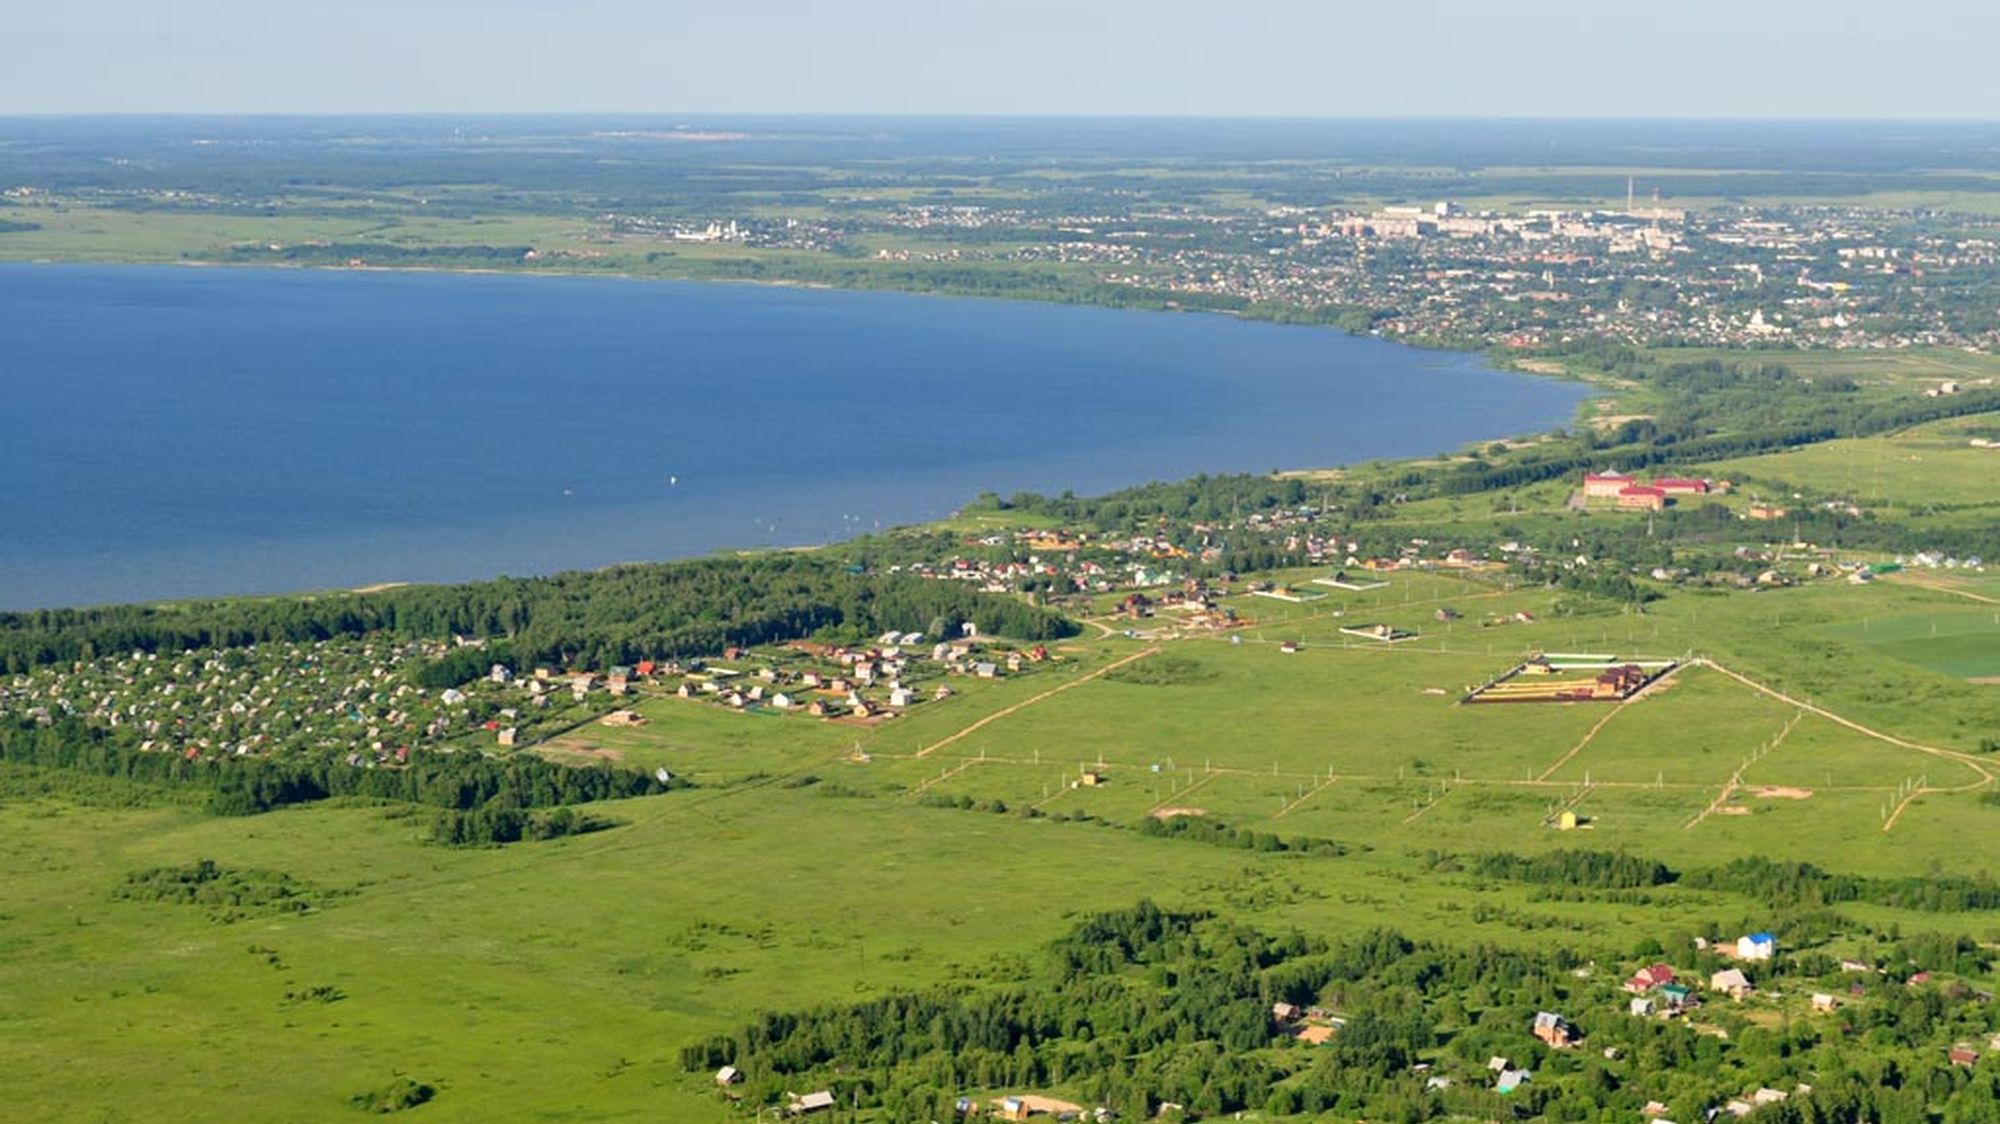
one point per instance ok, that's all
(1963, 643)
(557, 980)
(1931, 471)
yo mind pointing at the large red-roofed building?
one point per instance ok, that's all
(1605, 484)
(1641, 495)
(1681, 486)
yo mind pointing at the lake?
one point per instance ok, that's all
(188, 431)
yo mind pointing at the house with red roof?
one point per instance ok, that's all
(1648, 978)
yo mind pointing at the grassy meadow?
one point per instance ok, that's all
(557, 980)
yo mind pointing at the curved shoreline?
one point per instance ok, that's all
(1158, 464)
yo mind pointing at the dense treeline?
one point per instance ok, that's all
(595, 618)
(1201, 498)
(1803, 884)
(1200, 829)
(461, 665)
(491, 825)
(381, 253)
(1601, 869)
(248, 785)
(1797, 885)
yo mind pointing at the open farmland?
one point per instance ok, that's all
(1961, 642)
(1341, 781)
(1933, 471)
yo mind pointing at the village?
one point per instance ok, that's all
(1725, 987)
(372, 701)
(362, 698)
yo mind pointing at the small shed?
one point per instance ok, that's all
(811, 1102)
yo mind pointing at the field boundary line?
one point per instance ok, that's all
(1578, 747)
(1905, 803)
(946, 775)
(1578, 797)
(1028, 702)
(1616, 707)
(1173, 798)
(1048, 800)
(1412, 817)
(1966, 759)
(1303, 797)
(1735, 780)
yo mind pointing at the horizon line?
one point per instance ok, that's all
(981, 115)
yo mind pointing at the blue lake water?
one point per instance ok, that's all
(175, 431)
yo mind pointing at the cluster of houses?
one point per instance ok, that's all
(1657, 991)
(1193, 595)
(1075, 562)
(1064, 560)
(345, 694)
(899, 671)
(359, 696)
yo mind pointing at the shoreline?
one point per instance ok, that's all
(1547, 369)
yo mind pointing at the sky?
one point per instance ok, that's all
(1288, 58)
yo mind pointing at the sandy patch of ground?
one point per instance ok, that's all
(1780, 792)
(1048, 1105)
(1985, 681)
(1170, 813)
(580, 754)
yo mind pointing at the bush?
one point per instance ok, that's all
(402, 1093)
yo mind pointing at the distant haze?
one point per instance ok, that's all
(1312, 58)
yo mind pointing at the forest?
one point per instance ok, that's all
(249, 785)
(1780, 883)
(597, 618)
(1149, 1011)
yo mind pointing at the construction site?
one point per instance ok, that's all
(1563, 677)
